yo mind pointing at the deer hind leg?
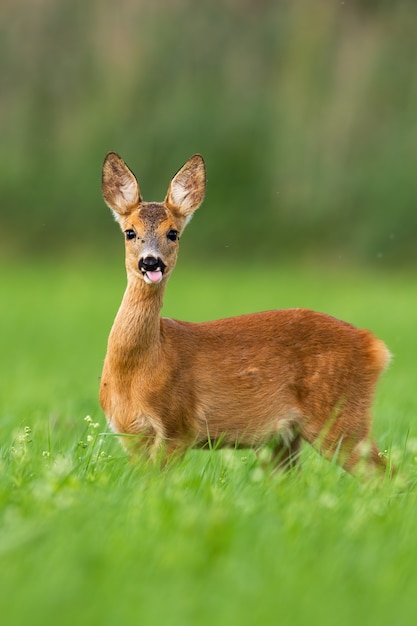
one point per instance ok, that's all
(285, 454)
(366, 457)
(284, 447)
(345, 437)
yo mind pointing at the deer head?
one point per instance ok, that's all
(152, 229)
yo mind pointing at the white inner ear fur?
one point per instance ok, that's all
(179, 194)
(128, 191)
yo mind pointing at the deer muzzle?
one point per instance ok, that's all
(152, 269)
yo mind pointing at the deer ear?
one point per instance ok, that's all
(188, 187)
(119, 186)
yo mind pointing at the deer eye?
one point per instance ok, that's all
(172, 235)
(130, 234)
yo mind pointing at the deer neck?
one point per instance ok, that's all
(136, 331)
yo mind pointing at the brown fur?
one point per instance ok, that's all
(276, 376)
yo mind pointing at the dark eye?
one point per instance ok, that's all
(172, 235)
(130, 234)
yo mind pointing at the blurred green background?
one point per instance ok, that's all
(305, 111)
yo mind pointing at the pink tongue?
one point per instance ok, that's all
(154, 277)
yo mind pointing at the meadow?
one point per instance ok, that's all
(89, 538)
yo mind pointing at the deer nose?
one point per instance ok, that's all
(149, 264)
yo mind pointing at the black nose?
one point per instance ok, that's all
(149, 264)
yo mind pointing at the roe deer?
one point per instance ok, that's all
(267, 378)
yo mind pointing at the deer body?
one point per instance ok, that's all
(272, 377)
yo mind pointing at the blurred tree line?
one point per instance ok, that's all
(305, 112)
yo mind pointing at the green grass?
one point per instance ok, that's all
(88, 538)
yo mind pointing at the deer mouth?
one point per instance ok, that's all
(152, 270)
(153, 278)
